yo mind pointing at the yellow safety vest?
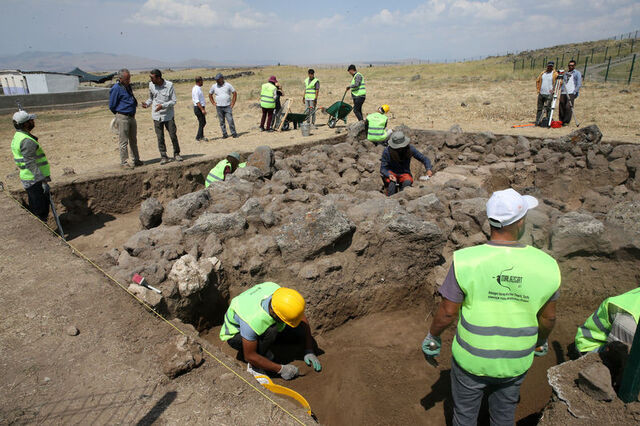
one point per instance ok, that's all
(376, 127)
(268, 96)
(310, 89)
(360, 90)
(41, 159)
(504, 289)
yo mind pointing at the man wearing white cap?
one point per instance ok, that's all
(505, 293)
(32, 163)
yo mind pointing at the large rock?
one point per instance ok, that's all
(181, 355)
(474, 208)
(626, 217)
(189, 276)
(356, 130)
(595, 381)
(152, 239)
(249, 173)
(589, 135)
(579, 234)
(151, 213)
(222, 224)
(263, 159)
(310, 233)
(429, 203)
(414, 229)
(184, 208)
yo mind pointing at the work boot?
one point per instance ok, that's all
(138, 163)
(164, 160)
(225, 136)
(235, 135)
(177, 157)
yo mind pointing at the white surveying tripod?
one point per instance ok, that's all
(556, 93)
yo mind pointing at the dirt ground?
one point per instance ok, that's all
(495, 100)
(110, 372)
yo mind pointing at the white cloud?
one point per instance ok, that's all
(202, 13)
(319, 24)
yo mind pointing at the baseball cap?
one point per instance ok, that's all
(23, 116)
(550, 63)
(219, 76)
(508, 206)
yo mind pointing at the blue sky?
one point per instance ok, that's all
(308, 32)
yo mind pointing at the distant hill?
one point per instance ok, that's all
(90, 61)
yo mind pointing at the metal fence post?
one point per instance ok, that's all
(606, 75)
(523, 63)
(557, 63)
(605, 53)
(562, 62)
(586, 61)
(514, 65)
(578, 58)
(630, 385)
(632, 41)
(619, 46)
(633, 61)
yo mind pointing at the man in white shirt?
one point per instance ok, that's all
(199, 109)
(162, 98)
(225, 100)
(545, 83)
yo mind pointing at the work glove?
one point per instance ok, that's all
(45, 188)
(311, 359)
(541, 350)
(288, 371)
(431, 345)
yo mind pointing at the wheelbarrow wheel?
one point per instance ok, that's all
(332, 122)
(285, 126)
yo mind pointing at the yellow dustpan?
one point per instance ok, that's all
(268, 383)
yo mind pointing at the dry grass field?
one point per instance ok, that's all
(495, 98)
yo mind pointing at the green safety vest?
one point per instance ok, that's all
(504, 288)
(594, 332)
(248, 306)
(217, 172)
(360, 90)
(310, 89)
(267, 96)
(377, 124)
(41, 159)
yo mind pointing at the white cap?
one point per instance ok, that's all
(23, 116)
(507, 206)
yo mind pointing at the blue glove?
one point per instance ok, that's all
(431, 345)
(311, 359)
(542, 350)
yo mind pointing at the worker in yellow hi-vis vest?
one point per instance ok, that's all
(504, 296)
(310, 98)
(358, 90)
(32, 164)
(253, 321)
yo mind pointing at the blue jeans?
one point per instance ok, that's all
(468, 389)
(225, 112)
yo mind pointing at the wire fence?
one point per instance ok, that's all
(613, 59)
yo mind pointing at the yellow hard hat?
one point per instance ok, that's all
(385, 108)
(288, 305)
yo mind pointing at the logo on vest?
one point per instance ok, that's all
(512, 283)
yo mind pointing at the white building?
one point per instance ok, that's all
(16, 82)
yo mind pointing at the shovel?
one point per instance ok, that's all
(55, 216)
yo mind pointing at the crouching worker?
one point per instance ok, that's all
(376, 126)
(395, 165)
(615, 321)
(223, 168)
(253, 321)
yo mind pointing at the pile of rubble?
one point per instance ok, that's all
(318, 221)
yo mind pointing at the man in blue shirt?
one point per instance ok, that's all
(123, 104)
(395, 164)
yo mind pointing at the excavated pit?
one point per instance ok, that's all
(312, 217)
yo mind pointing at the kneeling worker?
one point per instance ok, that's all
(223, 168)
(376, 126)
(615, 321)
(253, 321)
(395, 164)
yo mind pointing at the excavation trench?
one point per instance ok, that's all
(368, 265)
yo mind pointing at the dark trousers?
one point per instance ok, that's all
(264, 342)
(202, 121)
(38, 201)
(159, 127)
(468, 389)
(226, 113)
(357, 106)
(564, 108)
(267, 113)
(544, 103)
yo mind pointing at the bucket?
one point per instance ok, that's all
(306, 129)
